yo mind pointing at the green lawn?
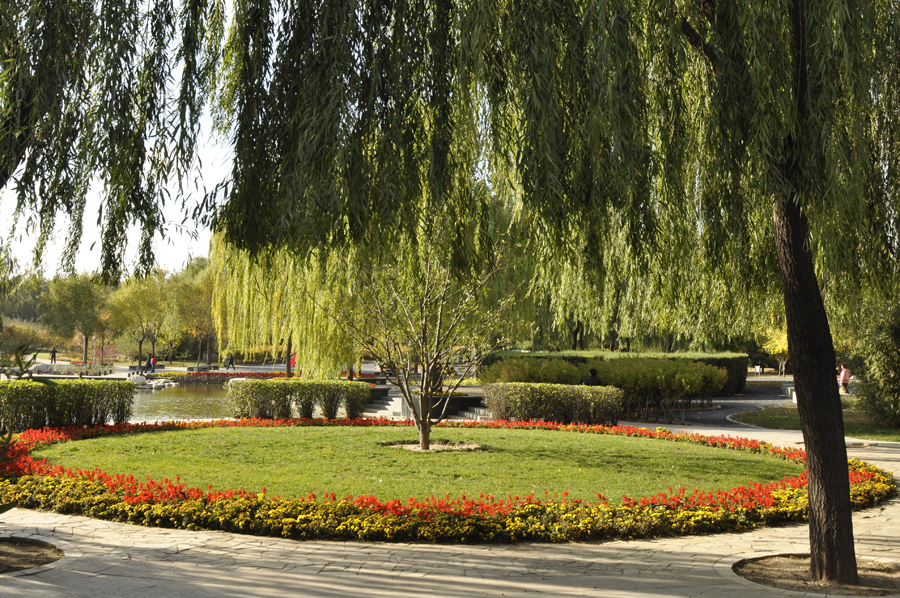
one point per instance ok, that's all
(348, 460)
(856, 424)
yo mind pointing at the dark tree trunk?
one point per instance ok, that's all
(85, 352)
(287, 358)
(576, 334)
(811, 345)
(200, 352)
(140, 352)
(812, 353)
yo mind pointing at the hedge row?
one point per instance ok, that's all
(26, 404)
(277, 398)
(648, 383)
(554, 402)
(569, 368)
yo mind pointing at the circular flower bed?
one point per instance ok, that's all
(39, 484)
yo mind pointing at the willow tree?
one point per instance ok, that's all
(762, 133)
(106, 93)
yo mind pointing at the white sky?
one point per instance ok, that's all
(172, 253)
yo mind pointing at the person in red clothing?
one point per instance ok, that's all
(153, 363)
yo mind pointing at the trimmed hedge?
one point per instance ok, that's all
(554, 402)
(277, 398)
(27, 404)
(572, 367)
(648, 383)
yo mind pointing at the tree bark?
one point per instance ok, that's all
(287, 358)
(812, 353)
(85, 352)
(425, 430)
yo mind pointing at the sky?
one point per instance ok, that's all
(172, 253)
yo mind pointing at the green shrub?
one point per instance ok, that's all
(735, 367)
(355, 397)
(23, 405)
(533, 369)
(879, 391)
(554, 402)
(648, 383)
(660, 383)
(504, 366)
(26, 404)
(276, 399)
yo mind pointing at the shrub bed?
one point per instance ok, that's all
(554, 402)
(26, 404)
(276, 399)
(571, 367)
(38, 484)
(647, 383)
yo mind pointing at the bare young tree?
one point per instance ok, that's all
(422, 315)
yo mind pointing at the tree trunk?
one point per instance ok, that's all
(812, 353)
(140, 352)
(208, 345)
(425, 428)
(84, 355)
(200, 352)
(287, 358)
(579, 329)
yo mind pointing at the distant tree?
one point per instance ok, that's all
(74, 304)
(139, 309)
(777, 347)
(191, 302)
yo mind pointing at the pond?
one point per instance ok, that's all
(180, 402)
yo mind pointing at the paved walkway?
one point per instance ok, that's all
(109, 559)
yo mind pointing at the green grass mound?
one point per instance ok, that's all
(467, 496)
(297, 461)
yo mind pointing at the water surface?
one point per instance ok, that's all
(181, 402)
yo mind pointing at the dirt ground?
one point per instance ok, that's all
(791, 572)
(20, 553)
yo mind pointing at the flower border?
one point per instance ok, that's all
(39, 484)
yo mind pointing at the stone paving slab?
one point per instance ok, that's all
(104, 559)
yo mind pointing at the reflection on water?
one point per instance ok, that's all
(180, 402)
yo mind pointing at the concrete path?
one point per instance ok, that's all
(111, 560)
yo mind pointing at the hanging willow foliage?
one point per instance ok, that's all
(658, 128)
(108, 90)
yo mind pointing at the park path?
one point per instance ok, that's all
(111, 560)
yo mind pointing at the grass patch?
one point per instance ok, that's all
(856, 423)
(297, 461)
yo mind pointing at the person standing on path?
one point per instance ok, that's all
(153, 364)
(53, 355)
(148, 364)
(844, 378)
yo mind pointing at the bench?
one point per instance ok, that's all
(203, 368)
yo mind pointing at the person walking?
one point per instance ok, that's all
(148, 364)
(53, 355)
(153, 364)
(844, 378)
